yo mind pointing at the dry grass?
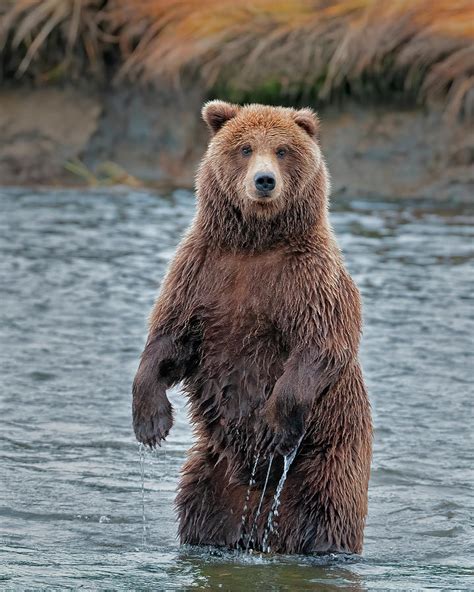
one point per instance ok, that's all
(52, 32)
(105, 174)
(425, 49)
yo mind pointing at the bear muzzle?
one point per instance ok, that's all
(265, 183)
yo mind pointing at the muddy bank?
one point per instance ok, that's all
(157, 137)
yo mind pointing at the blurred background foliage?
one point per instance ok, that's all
(411, 51)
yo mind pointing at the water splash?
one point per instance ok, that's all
(271, 527)
(247, 495)
(259, 509)
(142, 457)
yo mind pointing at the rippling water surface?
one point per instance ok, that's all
(79, 272)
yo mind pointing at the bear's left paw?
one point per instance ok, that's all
(285, 426)
(285, 442)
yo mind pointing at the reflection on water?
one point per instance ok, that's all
(274, 573)
(79, 272)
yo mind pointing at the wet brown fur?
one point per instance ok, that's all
(260, 320)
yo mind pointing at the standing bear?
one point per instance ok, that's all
(261, 322)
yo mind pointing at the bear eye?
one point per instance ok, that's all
(246, 150)
(281, 152)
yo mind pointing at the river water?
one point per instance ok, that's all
(79, 272)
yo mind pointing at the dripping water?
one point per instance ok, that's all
(247, 495)
(142, 456)
(270, 526)
(259, 508)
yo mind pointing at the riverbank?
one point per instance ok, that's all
(108, 92)
(85, 135)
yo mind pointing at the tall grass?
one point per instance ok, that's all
(422, 49)
(39, 35)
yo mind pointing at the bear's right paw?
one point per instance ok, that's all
(152, 423)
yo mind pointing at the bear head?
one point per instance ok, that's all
(263, 167)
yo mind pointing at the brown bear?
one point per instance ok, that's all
(261, 321)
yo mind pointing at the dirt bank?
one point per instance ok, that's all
(157, 137)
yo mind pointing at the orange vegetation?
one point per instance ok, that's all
(423, 48)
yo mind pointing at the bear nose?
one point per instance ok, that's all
(265, 182)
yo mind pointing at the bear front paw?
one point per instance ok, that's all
(285, 427)
(152, 421)
(286, 441)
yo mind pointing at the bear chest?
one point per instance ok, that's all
(243, 294)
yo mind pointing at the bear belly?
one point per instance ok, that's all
(238, 368)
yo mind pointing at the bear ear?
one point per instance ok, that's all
(308, 120)
(216, 113)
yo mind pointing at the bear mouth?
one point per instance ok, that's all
(263, 197)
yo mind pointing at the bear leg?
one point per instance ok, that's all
(209, 506)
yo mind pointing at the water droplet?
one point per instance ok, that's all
(247, 495)
(141, 454)
(287, 461)
(259, 509)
